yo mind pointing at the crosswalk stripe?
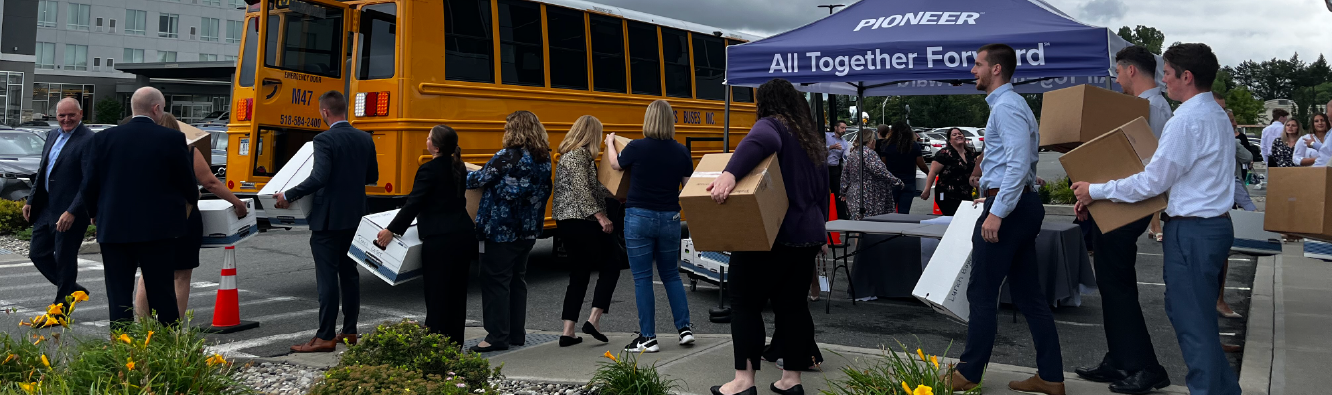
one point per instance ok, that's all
(82, 262)
(282, 316)
(32, 274)
(43, 284)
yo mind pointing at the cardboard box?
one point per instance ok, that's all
(221, 228)
(1250, 238)
(617, 181)
(396, 263)
(1074, 115)
(1297, 201)
(201, 140)
(943, 283)
(751, 216)
(292, 174)
(473, 195)
(1123, 152)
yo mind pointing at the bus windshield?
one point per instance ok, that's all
(304, 37)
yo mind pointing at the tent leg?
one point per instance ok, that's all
(726, 122)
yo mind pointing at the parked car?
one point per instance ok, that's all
(975, 136)
(215, 118)
(38, 126)
(219, 154)
(97, 127)
(20, 156)
(934, 141)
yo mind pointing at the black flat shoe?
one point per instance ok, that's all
(591, 330)
(1103, 373)
(566, 341)
(1142, 381)
(794, 390)
(492, 347)
(716, 390)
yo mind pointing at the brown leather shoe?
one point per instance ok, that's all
(1035, 385)
(1231, 348)
(346, 338)
(959, 383)
(315, 345)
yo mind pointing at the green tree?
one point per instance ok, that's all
(1144, 36)
(108, 110)
(1244, 105)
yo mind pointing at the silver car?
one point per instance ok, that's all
(20, 156)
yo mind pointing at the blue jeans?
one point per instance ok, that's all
(1195, 250)
(903, 198)
(1242, 198)
(650, 235)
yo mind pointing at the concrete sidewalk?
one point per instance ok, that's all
(1288, 341)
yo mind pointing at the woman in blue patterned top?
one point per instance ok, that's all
(515, 184)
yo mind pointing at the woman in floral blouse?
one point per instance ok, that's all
(515, 184)
(875, 195)
(953, 166)
(580, 216)
(1283, 149)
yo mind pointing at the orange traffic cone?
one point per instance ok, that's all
(832, 215)
(226, 309)
(936, 208)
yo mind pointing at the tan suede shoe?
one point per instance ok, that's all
(957, 383)
(1035, 385)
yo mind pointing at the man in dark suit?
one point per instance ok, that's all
(55, 207)
(136, 229)
(344, 163)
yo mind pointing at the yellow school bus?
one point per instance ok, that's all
(408, 65)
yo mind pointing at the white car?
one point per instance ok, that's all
(975, 136)
(97, 127)
(934, 142)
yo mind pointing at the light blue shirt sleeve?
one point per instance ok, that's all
(1015, 154)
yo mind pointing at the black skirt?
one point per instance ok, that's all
(188, 245)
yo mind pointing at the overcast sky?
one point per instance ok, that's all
(1237, 30)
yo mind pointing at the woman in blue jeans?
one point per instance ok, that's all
(652, 219)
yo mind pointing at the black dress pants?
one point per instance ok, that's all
(336, 278)
(154, 259)
(504, 291)
(589, 248)
(56, 256)
(782, 277)
(446, 260)
(1130, 345)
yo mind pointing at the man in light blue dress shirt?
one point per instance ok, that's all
(1195, 163)
(1004, 241)
(837, 148)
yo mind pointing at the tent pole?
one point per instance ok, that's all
(726, 123)
(860, 135)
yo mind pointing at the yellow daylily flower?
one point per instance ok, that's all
(55, 309)
(28, 387)
(935, 360)
(79, 296)
(906, 387)
(45, 362)
(923, 390)
(124, 338)
(610, 356)
(39, 340)
(148, 339)
(11, 357)
(129, 364)
(216, 359)
(922, 355)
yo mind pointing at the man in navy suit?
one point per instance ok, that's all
(55, 207)
(344, 163)
(136, 229)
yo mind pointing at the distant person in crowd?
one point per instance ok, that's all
(138, 230)
(778, 278)
(344, 163)
(952, 166)
(1306, 149)
(867, 185)
(56, 205)
(657, 166)
(438, 204)
(1130, 365)
(1243, 160)
(1004, 242)
(1195, 164)
(1271, 133)
(188, 245)
(515, 184)
(580, 218)
(837, 149)
(902, 156)
(1283, 148)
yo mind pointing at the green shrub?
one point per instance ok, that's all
(384, 379)
(11, 217)
(903, 373)
(90, 233)
(1057, 192)
(410, 346)
(622, 376)
(147, 355)
(108, 110)
(25, 234)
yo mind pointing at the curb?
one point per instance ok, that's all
(90, 247)
(1256, 367)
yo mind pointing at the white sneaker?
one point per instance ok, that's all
(686, 336)
(643, 344)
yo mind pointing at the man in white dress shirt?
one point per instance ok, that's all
(1195, 163)
(1273, 132)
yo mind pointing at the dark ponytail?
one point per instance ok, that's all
(446, 140)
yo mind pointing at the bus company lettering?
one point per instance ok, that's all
(695, 117)
(877, 59)
(920, 18)
(302, 77)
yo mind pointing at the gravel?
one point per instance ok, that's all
(14, 245)
(514, 387)
(288, 379)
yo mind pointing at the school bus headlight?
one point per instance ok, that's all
(360, 105)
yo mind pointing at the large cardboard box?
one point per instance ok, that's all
(200, 139)
(1297, 201)
(943, 283)
(292, 174)
(221, 228)
(617, 181)
(751, 216)
(1075, 115)
(1250, 238)
(396, 263)
(473, 195)
(1123, 152)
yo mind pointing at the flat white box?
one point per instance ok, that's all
(397, 263)
(705, 264)
(1250, 238)
(221, 228)
(943, 284)
(292, 174)
(1317, 249)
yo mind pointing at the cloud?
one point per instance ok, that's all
(1103, 10)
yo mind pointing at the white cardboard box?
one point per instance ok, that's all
(221, 228)
(707, 265)
(1250, 238)
(943, 284)
(1317, 249)
(397, 263)
(292, 174)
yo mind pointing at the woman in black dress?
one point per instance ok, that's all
(953, 166)
(439, 206)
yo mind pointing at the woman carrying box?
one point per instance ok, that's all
(781, 275)
(580, 217)
(438, 205)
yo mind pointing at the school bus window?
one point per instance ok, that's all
(378, 46)
(312, 39)
(742, 94)
(568, 48)
(250, 47)
(607, 54)
(271, 37)
(468, 54)
(520, 43)
(709, 67)
(644, 59)
(675, 50)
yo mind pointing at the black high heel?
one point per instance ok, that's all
(794, 390)
(591, 330)
(566, 341)
(716, 390)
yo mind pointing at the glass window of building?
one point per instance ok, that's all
(215, 3)
(168, 25)
(97, 23)
(111, 27)
(78, 16)
(209, 28)
(132, 56)
(644, 59)
(521, 59)
(166, 56)
(136, 22)
(207, 57)
(76, 57)
(236, 3)
(468, 52)
(234, 29)
(11, 97)
(47, 10)
(229, 58)
(568, 48)
(45, 55)
(46, 95)
(379, 41)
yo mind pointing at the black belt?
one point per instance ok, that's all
(1165, 217)
(995, 191)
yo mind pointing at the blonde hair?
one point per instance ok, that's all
(586, 132)
(523, 130)
(659, 121)
(169, 121)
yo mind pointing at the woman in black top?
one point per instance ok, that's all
(902, 156)
(953, 166)
(448, 244)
